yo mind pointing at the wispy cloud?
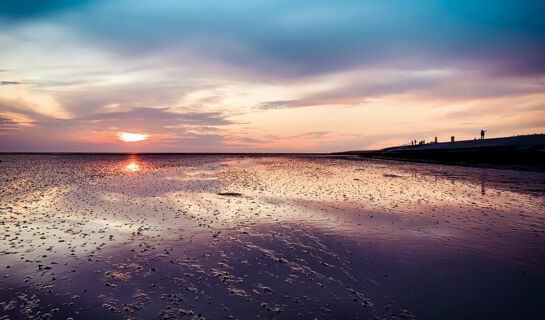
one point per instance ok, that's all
(10, 83)
(7, 124)
(150, 114)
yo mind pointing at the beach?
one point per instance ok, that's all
(267, 237)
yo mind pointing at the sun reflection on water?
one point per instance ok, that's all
(132, 167)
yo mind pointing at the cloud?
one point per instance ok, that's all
(18, 106)
(54, 140)
(293, 39)
(355, 91)
(212, 71)
(150, 114)
(251, 140)
(22, 9)
(7, 124)
(446, 85)
(279, 104)
(98, 132)
(9, 83)
(313, 134)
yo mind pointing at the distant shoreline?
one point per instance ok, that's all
(518, 153)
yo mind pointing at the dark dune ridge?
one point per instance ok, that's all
(213, 237)
(525, 152)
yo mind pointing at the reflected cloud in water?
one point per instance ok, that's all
(304, 220)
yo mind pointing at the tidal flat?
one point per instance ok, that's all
(248, 237)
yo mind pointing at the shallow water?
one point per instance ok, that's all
(144, 237)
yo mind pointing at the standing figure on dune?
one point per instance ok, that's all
(482, 134)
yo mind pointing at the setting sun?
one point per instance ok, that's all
(132, 137)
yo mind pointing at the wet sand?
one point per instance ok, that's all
(232, 237)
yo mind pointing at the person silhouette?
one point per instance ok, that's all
(482, 134)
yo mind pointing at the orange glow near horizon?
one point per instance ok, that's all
(132, 137)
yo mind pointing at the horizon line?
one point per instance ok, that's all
(167, 153)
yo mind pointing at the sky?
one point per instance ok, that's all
(266, 75)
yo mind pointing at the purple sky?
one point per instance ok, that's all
(266, 76)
